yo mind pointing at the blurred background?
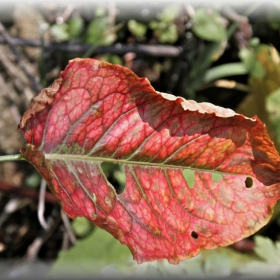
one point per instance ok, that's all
(218, 52)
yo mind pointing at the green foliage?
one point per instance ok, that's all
(136, 28)
(99, 254)
(81, 226)
(225, 70)
(98, 32)
(269, 254)
(33, 180)
(60, 32)
(273, 110)
(190, 268)
(75, 26)
(209, 25)
(248, 57)
(165, 29)
(67, 31)
(218, 265)
(165, 32)
(207, 53)
(112, 58)
(169, 13)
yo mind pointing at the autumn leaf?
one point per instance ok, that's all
(198, 176)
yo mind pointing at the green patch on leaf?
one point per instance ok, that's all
(189, 177)
(216, 177)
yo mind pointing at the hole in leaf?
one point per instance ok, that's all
(114, 173)
(194, 235)
(248, 182)
(216, 177)
(189, 177)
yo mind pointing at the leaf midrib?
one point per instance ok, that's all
(130, 162)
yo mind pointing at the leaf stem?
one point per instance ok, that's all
(11, 158)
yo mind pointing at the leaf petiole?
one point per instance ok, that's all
(11, 158)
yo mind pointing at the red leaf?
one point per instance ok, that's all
(96, 112)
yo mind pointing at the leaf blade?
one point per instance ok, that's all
(98, 112)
